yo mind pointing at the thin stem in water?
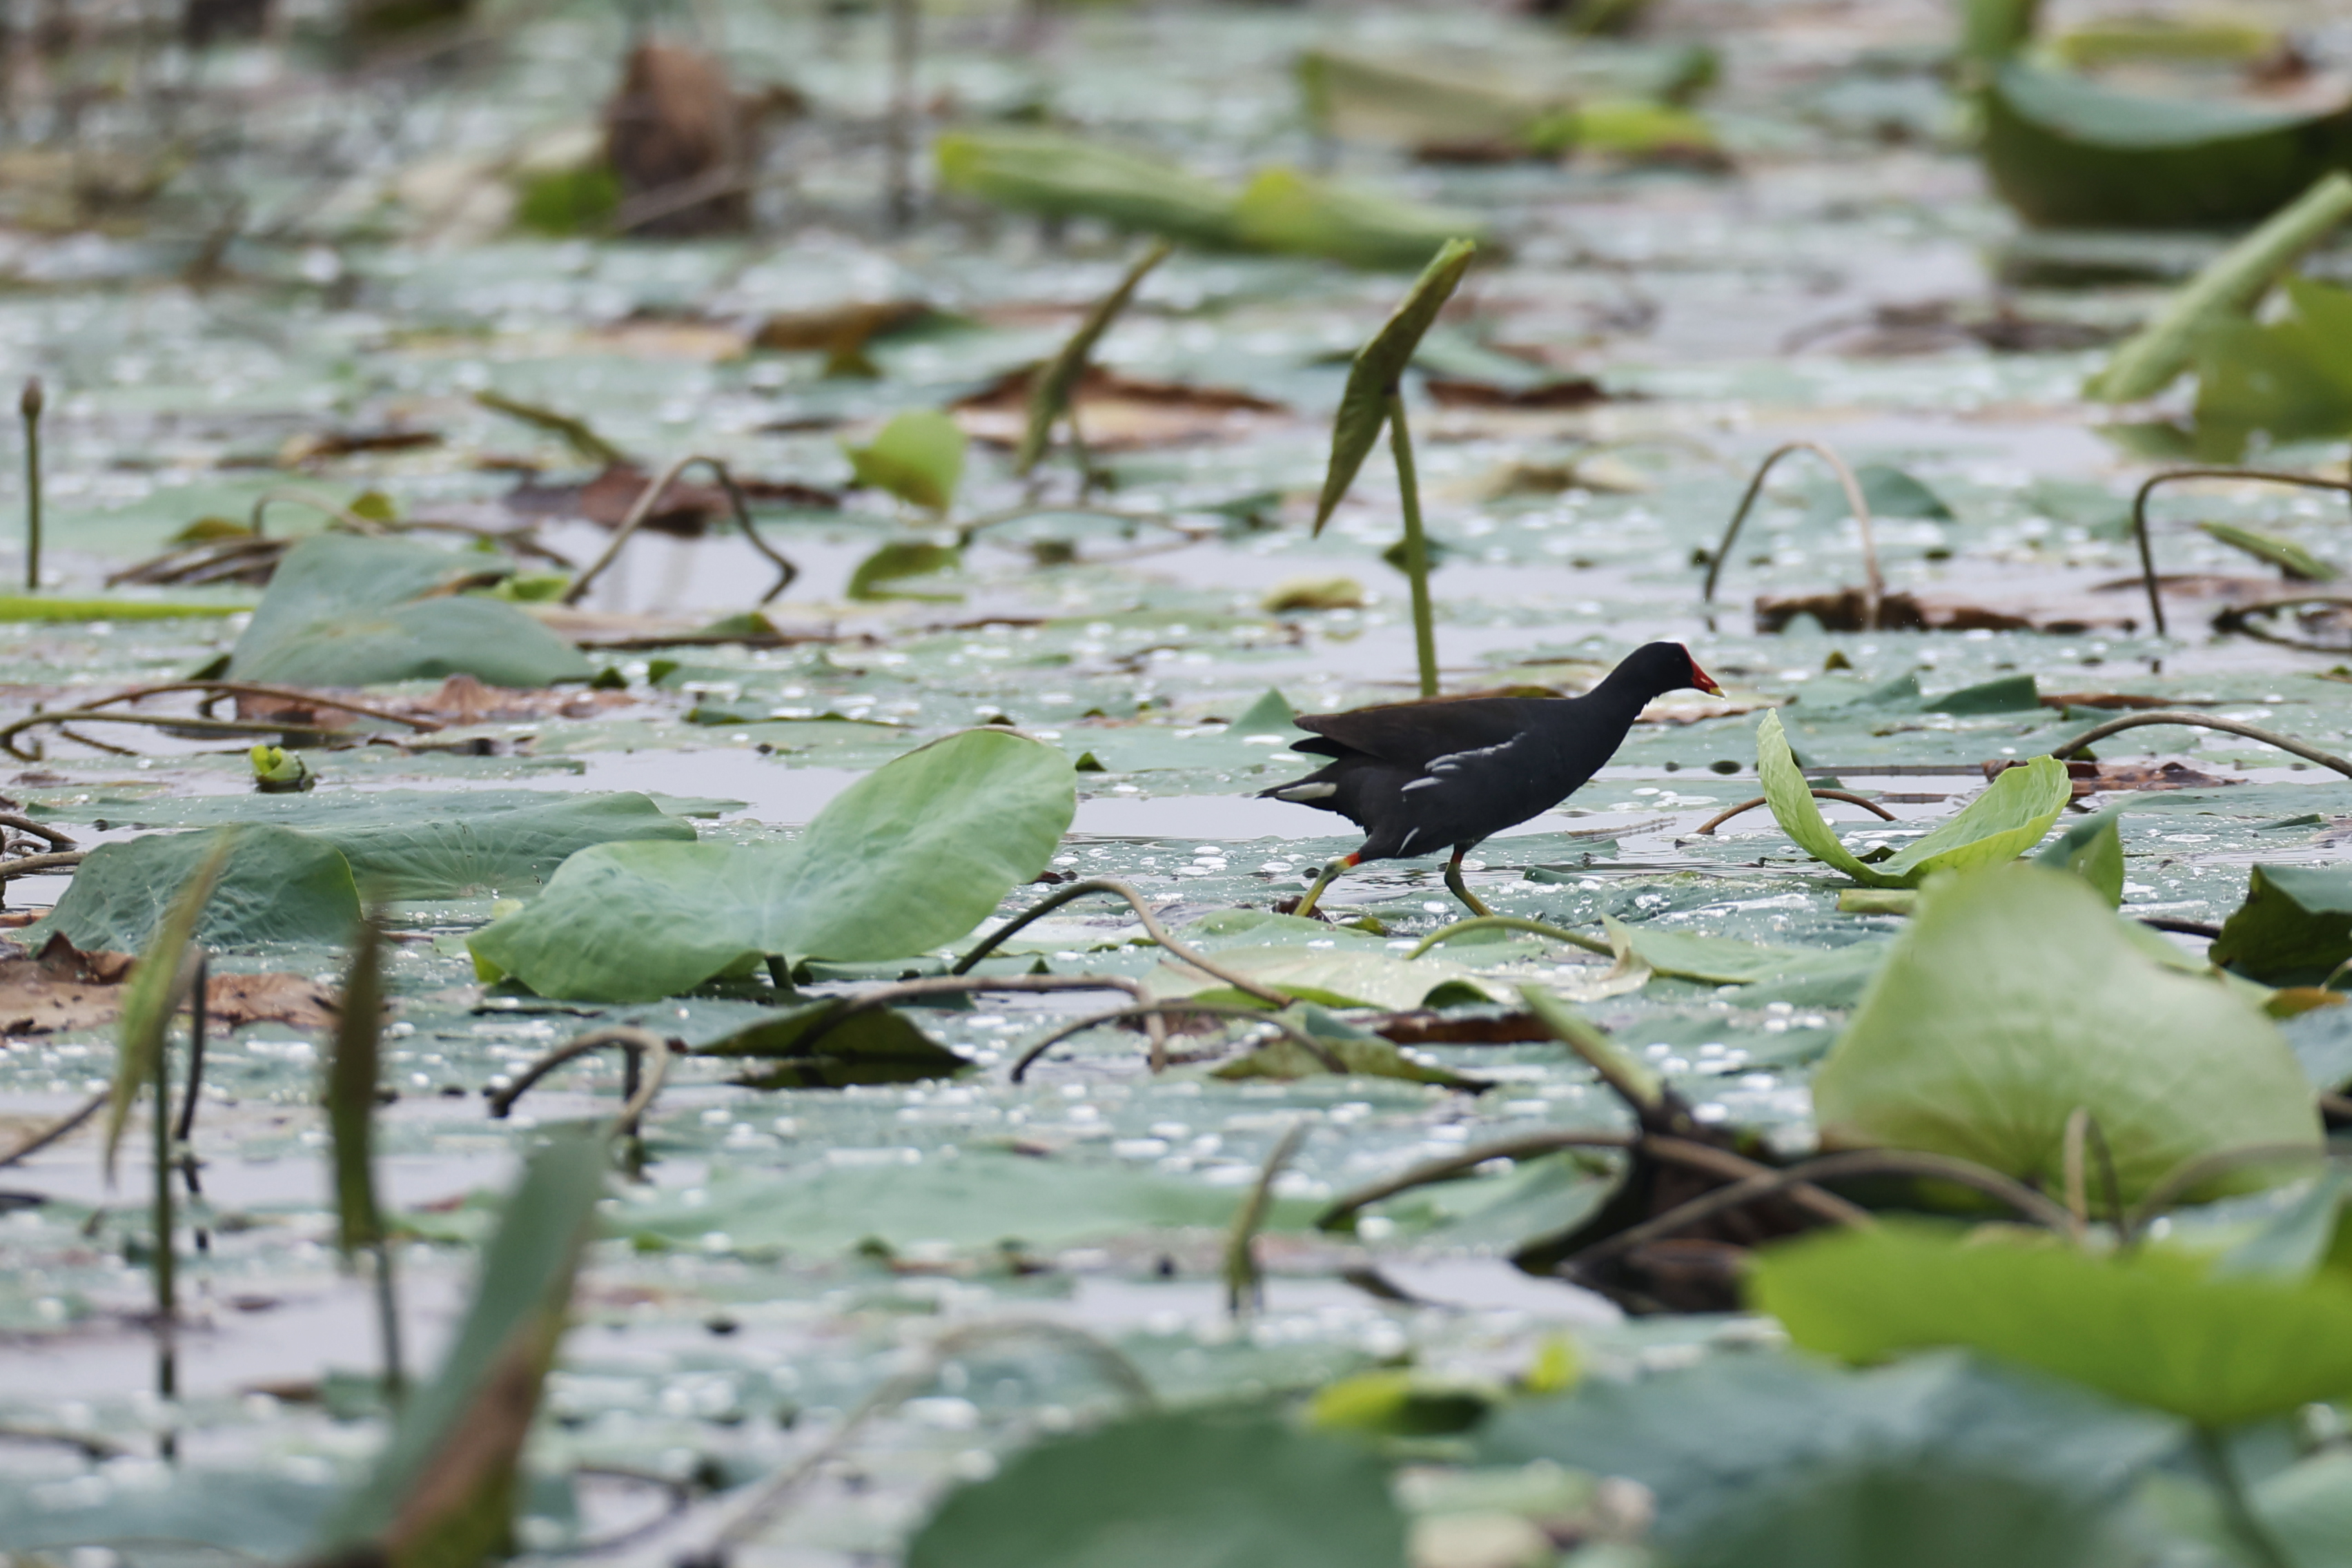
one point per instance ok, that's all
(30, 406)
(1416, 546)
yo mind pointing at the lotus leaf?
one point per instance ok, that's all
(2013, 998)
(2295, 927)
(342, 610)
(2155, 1327)
(2008, 818)
(1175, 1490)
(914, 855)
(2064, 151)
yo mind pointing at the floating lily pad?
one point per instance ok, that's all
(913, 855)
(343, 610)
(276, 886)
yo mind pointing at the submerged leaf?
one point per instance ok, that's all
(914, 855)
(878, 576)
(2155, 1327)
(2015, 997)
(879, 1045)
(1174, 1491)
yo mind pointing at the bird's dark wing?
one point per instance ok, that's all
(1410, 733)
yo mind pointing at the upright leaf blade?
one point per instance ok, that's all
(1790, 800)
(352, 1074)
(155, 991)
(1380, 367)
(1056, 381)
(917, 456)
(443, 1491)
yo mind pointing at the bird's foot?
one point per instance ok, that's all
(1306, 907)
(1461, 889)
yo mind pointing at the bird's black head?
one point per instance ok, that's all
(1662, 666)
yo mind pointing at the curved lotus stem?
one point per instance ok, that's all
(2198, 721)
(2139, 515)
(1874, 587)
(1720, 817)
(644, 507)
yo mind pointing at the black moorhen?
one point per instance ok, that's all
(1419, 776)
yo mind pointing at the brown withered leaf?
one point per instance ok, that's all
(316, 447)
(1460, 392)
(62, 988)
(1115, 412)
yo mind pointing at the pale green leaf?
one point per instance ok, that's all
(342, 610)
(2153, 1328)
(2015, 996)
(912, 856)
(917, 457)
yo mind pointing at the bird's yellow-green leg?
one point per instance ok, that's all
(1330, 874)
(1454, 885)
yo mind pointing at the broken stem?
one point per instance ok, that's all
(642, 508)
(1151, 928)
(1508, 922)
(1416, 546)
